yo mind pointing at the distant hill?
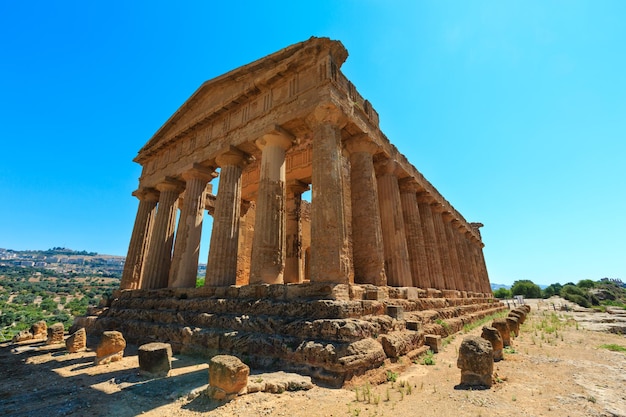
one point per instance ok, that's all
(497, 286)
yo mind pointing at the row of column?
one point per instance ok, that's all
(400, 237)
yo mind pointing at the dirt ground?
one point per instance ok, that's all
(555, 368)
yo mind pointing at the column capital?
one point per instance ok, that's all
(200, 172)
(233, 156)
(361, 143)
(170, 184)
(296, 187)
(409, 185)
(386, 166)
(146, 194)
(326, 113)
(425, 197)
(277, 136)
(437, 207)
(447, 216)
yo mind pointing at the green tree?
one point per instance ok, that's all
(502, 293)
(586, 283)
(526, 288)
(552, 289)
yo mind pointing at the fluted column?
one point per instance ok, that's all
(482, 266)
(160, 253)
(475, 286)
(268, 245)
(414, 234)
(140, 239)
(397, 265)
(461, 251)
(450, 230)
(184, 269)
(222, 264)
(430, 242)
(440, 233)
(294, 256)
(367, 240)
(330, 249)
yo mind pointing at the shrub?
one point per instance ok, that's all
(502, 293)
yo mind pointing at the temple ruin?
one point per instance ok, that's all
(314, 287)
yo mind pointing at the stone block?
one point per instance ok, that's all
(55, 334)
(39, 330)
(396, 312)
(155, 359)
(412, 293)
(228, 376)
(476, 362)
(434, 342)
(433, 293)
(110, 348)
(374, 294)
(22, 336)
(493, 336)
(77, 341)
(503, 328)
(513, 325)
(413, 325)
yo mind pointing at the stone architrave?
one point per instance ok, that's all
(140, 239)
(222, 264)
(330, 259)
(294, 259)
(430, 241)
(160, 252)
(267, 265)
(367, 248)
(397, 265)
(442, 242)
(414, 234)
(184, 269)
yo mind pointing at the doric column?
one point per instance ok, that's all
(294, 257)
(397, 265)
(482, 266)
(246, 236)
(414, 234)
(222, 264)
(140, 239)
(367, 240)
(461, 251)
(268, 245)
(430, 241)
(471, 257)
(330, 250)
(184, 270)
(450, 230)
(160, 253)
(442, 242)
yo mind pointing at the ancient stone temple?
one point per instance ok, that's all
(286, 278)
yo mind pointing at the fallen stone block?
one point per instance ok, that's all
(503, 328)
(22, 336)
(513, 325)
(476, 362)
(434, 342)
(39, 330)
(493, 336)
(155, 359)
(110, 348)
(55, 334)
(228, 377)
(77, 341)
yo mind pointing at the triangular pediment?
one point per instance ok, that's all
(228, 91)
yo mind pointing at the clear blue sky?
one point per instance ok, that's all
(515, 111)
